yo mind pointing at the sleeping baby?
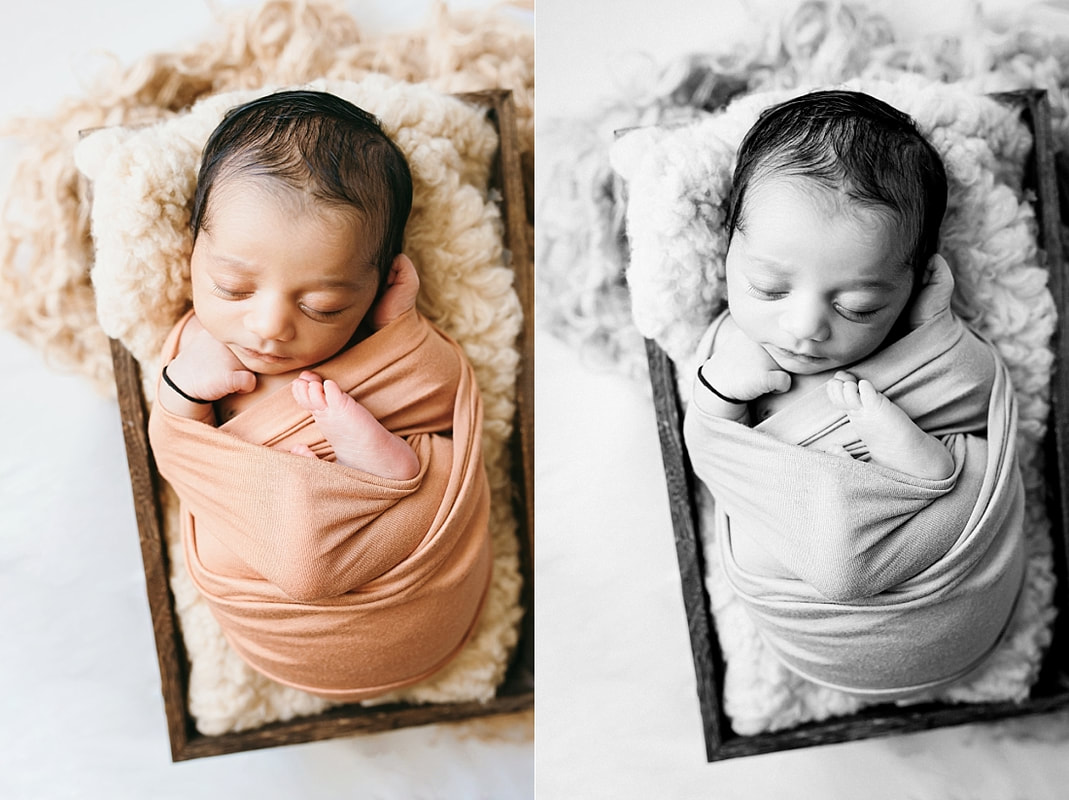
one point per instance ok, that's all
(858, 438)
(322, 436)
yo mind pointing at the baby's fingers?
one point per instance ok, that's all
(400, 295)
(778, 381)
(242, 382)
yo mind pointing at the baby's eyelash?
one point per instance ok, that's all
(323, 314)
(849, 314)
(762, 294)
(858, 316)
(225, 293)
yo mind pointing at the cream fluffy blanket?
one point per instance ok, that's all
(46, 250)
(859, 577)
(142, 181)
(583, 296)
(677, 182)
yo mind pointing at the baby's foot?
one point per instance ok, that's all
(893, 439)
(358, 439)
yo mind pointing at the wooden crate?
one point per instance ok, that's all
(516, 693)
(1052, 688)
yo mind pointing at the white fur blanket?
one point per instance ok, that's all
(582, 291)
(677, 183)
(143, 179)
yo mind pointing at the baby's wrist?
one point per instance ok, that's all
(181, 402)
(169, 380)
(718, 403)
(725, 397)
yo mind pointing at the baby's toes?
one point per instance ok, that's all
(870, 397)
(335, 398)
(309, 395)
(850, 400)
(843, 393)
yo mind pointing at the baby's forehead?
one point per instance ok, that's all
(238, 210)
(245, 182)
(236, 193)
(789, 225)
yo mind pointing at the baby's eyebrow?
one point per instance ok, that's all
(336, 283)
(244, 269)
(238, 264)
(771, 266)
(874, 284)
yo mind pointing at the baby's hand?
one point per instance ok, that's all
(934, 297)
(400, 296)
(206, 369)
(740, 368)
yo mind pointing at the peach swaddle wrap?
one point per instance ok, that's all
(871, 581)
(327, 578)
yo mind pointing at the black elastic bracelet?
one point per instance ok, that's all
(712, 389)
(173, 385)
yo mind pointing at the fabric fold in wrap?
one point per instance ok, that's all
(859, 577)
(326, 578)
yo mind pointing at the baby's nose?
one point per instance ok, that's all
(270, 320)
(806, 322)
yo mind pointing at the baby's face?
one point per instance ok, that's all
(817, 284)
(283, 284)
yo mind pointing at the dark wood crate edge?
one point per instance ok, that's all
(351, 721)
(705, 646)
(721, 741)
(144, 482)
(508, 175)
(514, 695)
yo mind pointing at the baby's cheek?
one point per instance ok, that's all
(867, 344)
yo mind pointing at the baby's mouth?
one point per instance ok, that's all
(796, 356)
(269, 358)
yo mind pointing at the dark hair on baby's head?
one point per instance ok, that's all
(321, 145)
(853, 143)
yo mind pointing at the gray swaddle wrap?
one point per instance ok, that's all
(885, 584)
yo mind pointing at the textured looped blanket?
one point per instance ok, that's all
(859, 577)
(327, 578)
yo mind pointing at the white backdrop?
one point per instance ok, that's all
(81, 714)
(617, 706)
